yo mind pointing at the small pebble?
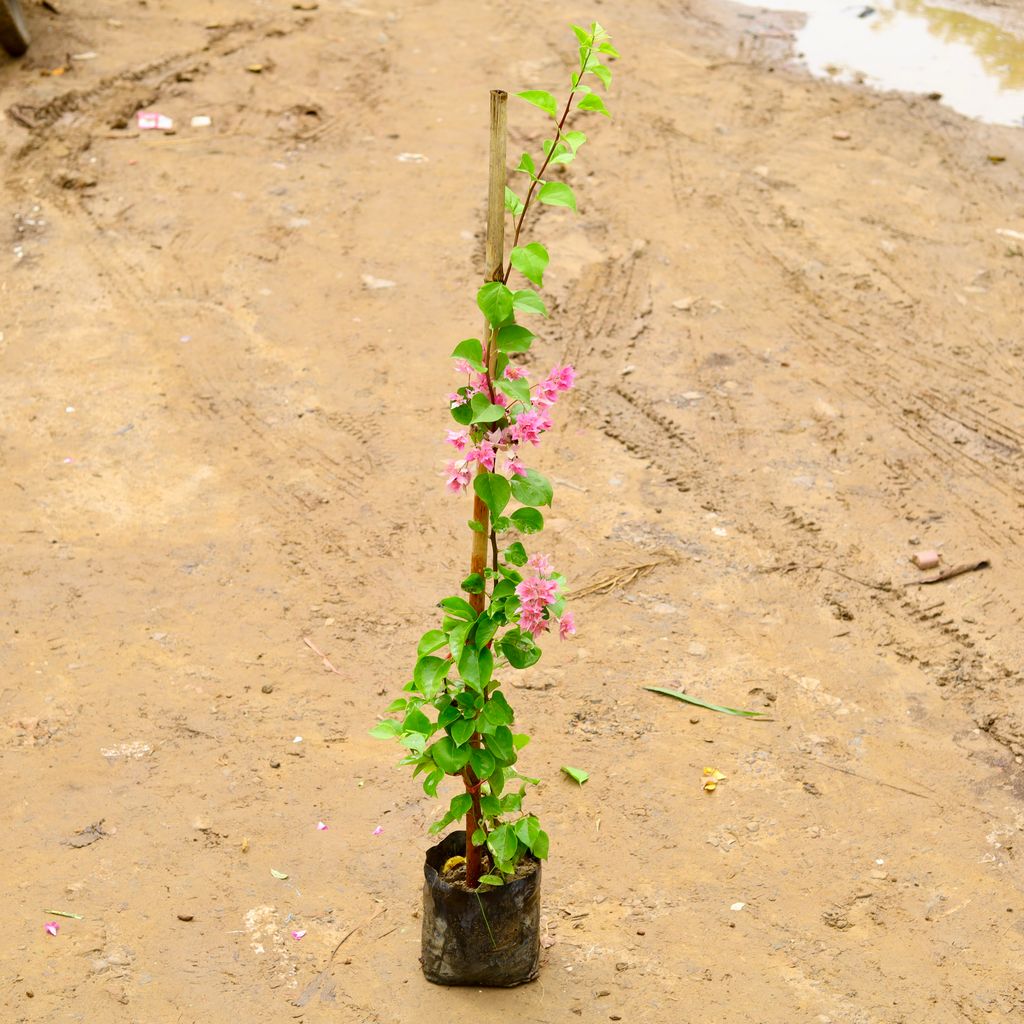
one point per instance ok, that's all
(267, 688)
(184, 917)
(694, 721)
(274, 763)
(640, 931)
(841, 136)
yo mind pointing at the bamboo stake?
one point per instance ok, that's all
(494, 259)
(494, 264)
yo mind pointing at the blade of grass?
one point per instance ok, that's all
(679, 695)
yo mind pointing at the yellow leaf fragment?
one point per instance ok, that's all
(712, 777)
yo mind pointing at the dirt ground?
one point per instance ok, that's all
(800, 361)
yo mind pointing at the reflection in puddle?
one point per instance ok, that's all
(915, 46)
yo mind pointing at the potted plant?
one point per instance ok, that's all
(482, 888)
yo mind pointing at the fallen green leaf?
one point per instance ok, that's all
(679, 695)
(278, 874)
(578, 775)
(63, 913)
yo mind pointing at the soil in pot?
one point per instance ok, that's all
(488, 937)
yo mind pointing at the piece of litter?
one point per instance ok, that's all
(51, 927)
(245, 845)
(879, 861)
(412, 158)
(135, 749)
(369, 281)
(254, 68)
(685, 304)
(737, 906)
(278, 874)
(64, 913)
(712, 777)
(185, 338)
(378, 830)
(201, 121)
(150, 119)
(299, 933)
(321, 827)
(68, 460)
(89, 55)
(719, 531)
(298, 739)
(1010, 233)
(926, 559)
(69, 408)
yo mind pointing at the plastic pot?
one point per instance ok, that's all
(486, 938)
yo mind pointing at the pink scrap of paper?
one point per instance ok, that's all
(300, 934)
(148, 119)
(51, 927)
(321, 827)
(378, 830)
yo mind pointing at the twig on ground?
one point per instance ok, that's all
(948, 574)
(310, 990)
(867, 778)
(316, 650)
(618, 578)
(791, 566)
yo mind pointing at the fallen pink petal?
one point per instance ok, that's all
(51, 927)
(378, 830)
(321, 827)
(300, 934)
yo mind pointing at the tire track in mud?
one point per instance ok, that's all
(633, 420)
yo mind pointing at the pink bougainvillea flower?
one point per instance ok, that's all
(456, 399)
(321, 827)
(529, 426)
(484, 453)
(567, 625)
(540, 564)
(513, 372)
(562, 377)
(514, 466)
(461, 366)
(458, 438)
(458, 475)
(51, 927)
(536, 590)
(378, 830)
(299, 933)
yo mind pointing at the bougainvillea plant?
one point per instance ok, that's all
(454, 718)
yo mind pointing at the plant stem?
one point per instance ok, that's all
(544, 166)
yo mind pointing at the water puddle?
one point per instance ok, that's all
(975, 64)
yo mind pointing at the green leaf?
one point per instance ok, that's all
(557, 193)
(450, 713)
(497, 711)
(532, 489)
(429, 674)
(462, 414)
(476, 526)
(416, 721)
(526, 165)
(481, 410)
(451, 759)
(472, 351)
(527, 830)
(486, 628)
(581, 34)
(469, 667)
(503, 843)
(493, 490)
(520, 649)
(459, 607)
(490, 806)
(530, 260)
(386, 730)
(473, 583)
(396, 705)
(608, 49)
(520, 739)
(544, 100)
(501, 745)
(679, 695)
(527, 520)
(486, 666)
(430, 783)
(578, 775)
(515, 338)
(527, 301)
(513, 202)
(540, 845)
(574, 140)
(278, 874)
(431, 641)
(483, 764)
(491, 880)
(462, 730)
(457, 638)
(515, 553)
(595, 103)
(456, 809)
(516, 389)
(495, 301)
(502, 524)
(603, 74)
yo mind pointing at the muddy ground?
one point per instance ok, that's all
(800, 362)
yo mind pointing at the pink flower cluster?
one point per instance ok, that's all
(535, 594)
(526, 427)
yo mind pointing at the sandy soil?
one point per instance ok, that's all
(800, 357)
